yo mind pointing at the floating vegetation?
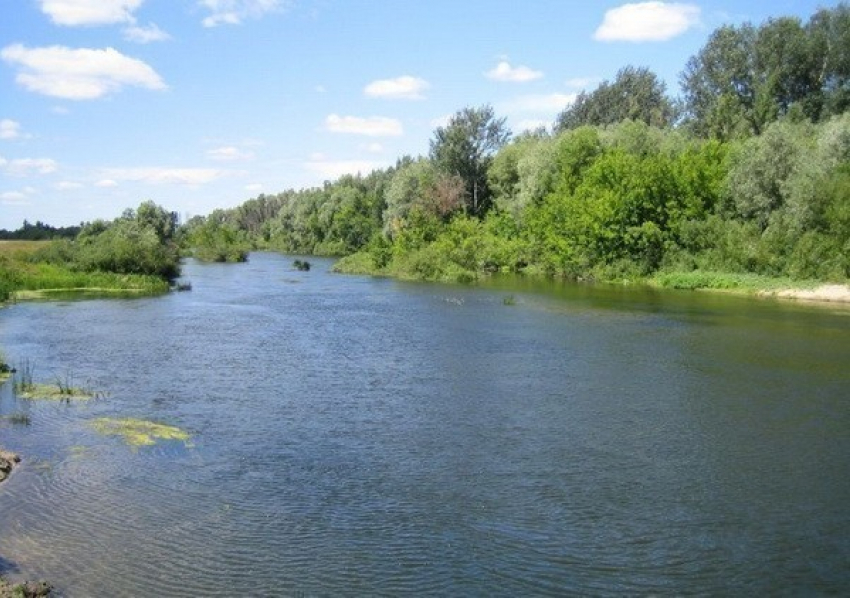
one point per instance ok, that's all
(303, 266)
(509, 300)
(138, 432)
(5, 369)
(53, 392)
(183, 286)
(63, 390)
(28, 589)
(19, 418)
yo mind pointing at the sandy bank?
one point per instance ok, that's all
(830, 293)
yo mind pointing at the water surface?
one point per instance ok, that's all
(367, 436)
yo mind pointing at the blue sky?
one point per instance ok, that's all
(202, 104)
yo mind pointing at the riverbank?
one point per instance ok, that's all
(755, 285)
(24, 276)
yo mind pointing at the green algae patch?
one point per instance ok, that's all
(53, 392)
(138, 432)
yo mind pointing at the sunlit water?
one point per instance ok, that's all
(359, 436)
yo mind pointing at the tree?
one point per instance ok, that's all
(465, 148)
(746, 77)
(635, 94)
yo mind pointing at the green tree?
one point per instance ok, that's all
(635, 94)
(465, 148)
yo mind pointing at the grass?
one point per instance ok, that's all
(63, 390)
(22, 279)
(138, 432)
(726, 281)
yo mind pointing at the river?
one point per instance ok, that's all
(366, 436)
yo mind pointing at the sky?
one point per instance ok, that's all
(204, 104)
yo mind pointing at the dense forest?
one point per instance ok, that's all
(747, 171)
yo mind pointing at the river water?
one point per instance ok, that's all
(364, 436)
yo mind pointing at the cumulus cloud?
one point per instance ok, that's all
(27, 166)
(400, 88)
(163, 176)
(375, 126)
(9, 129)
(78, 74)
(19, 197)
(233, 12)
(512, 74)
(74, 13)
(647, 22)
(333, 169)
(145, 35)
(106, 183)
(229, 154)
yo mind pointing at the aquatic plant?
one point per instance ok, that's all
(63, 390)
(303, 266)
(24, 377)
(509, 300)
(19, 418)
(138, 432)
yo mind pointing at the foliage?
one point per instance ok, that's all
(635, 94)
(746, 77)
(214, 239)
(465, 148)
(39, 232)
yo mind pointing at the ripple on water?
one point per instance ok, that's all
(368, 437)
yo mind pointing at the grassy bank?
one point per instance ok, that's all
(364, 263)
(21, 277)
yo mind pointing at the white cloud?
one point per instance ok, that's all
(320, 89)
(375, 126)
(254, 187)
(164, 176)
(67, 185)
(333, 169)
(400, 88)
(510, 74)
(647, 22)
(90, 12)
(9, 129)
(229, 154)
(27, 166)
(145, 35)
(546, 103)
(19, 198)
(106, 183)
(233, 12)
(78, 74)
(372, 148)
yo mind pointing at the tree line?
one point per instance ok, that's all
(747, 171)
